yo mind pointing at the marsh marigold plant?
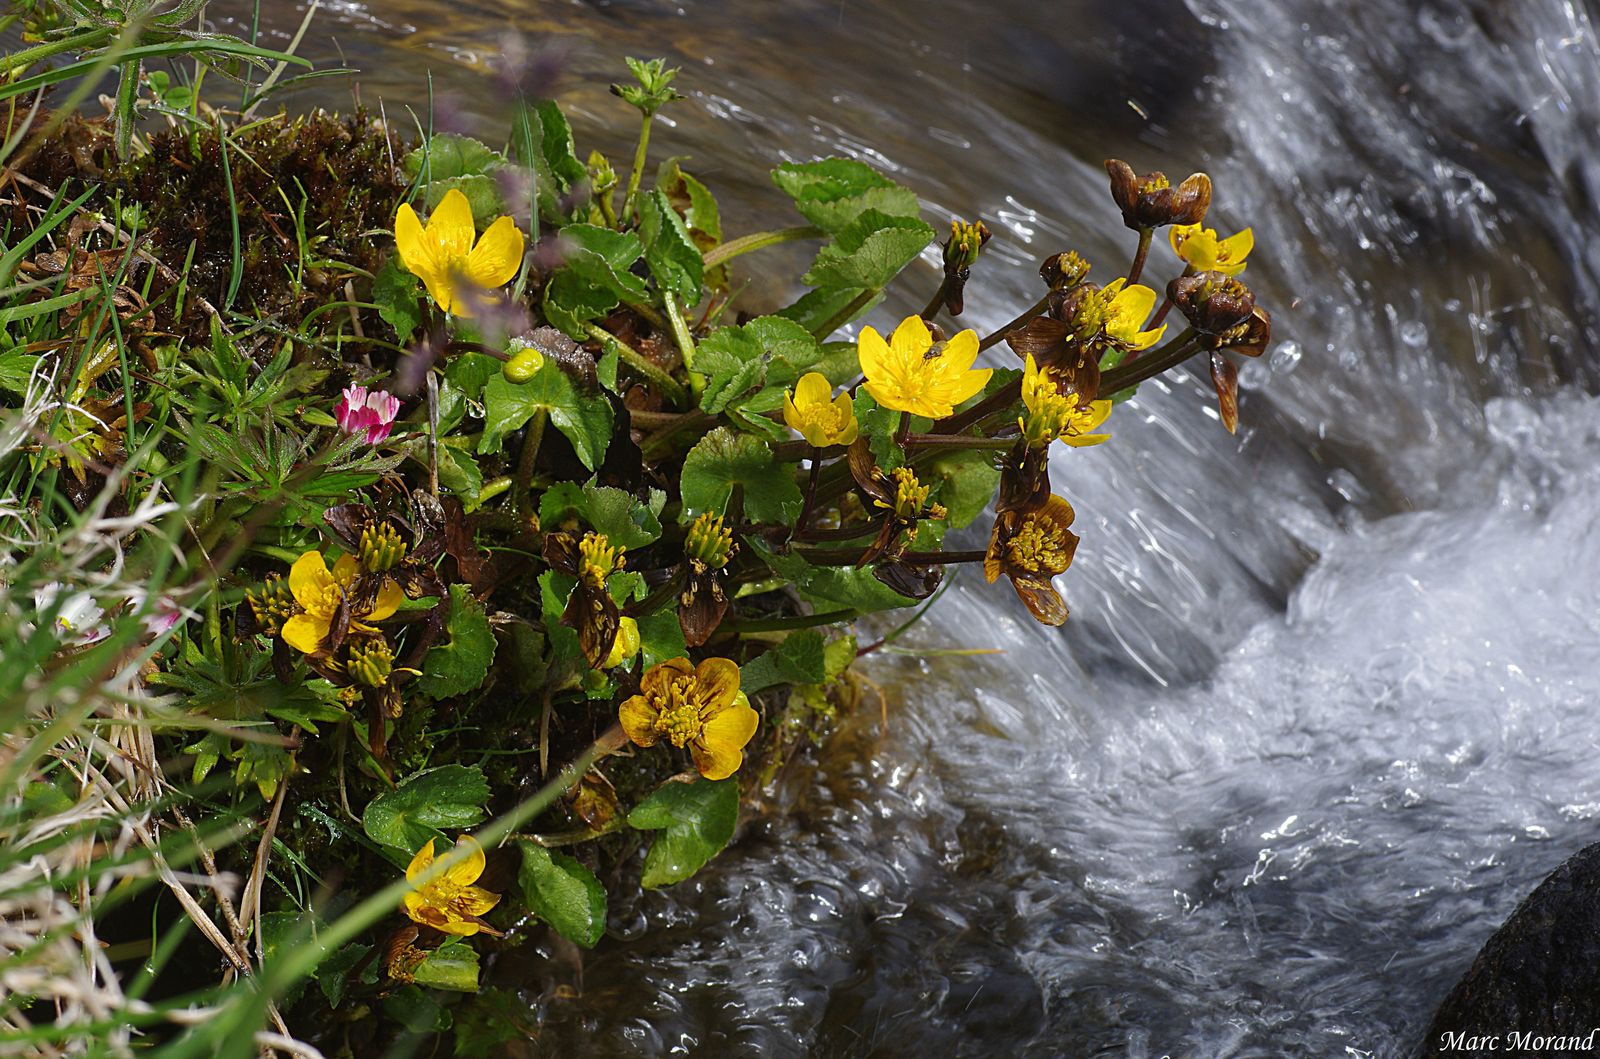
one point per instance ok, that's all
(912, 373)
(699, 707)
(320, 592)
(449, 902)
(447, 253)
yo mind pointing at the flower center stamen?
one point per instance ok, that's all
(598, 560)
(1040, 546)
(679, 711)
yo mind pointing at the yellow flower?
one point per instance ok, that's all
(1054, 415)
(909, 374)
(1126, 311)
(1204, 252)
(1032, 547)
(443, 254)
(625, 646)
(319, 594)
(820, 417)
(450, 903)
(700, 706)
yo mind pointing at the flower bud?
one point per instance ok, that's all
(523, 365)
(380, 548)
(1061, 271)
(1251, 337)
(709, 541)
(1151, 201)
(965, 243)
(371, 664)
(1212, 303)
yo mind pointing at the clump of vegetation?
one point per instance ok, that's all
(409, 544)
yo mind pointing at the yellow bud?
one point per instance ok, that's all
(523, 366)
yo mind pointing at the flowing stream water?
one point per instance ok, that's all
(1325, 709)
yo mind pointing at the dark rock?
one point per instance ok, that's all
(1535, 987)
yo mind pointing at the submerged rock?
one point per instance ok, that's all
(1535, 986)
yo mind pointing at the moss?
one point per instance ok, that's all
(308, 192)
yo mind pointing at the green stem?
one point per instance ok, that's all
(639, 154)
(845, 315)
(757, 241)
(82, 42)
(851, 556)
(664, 593)
(1023, 317)
(531, 437)
(1137, 268)
(680, 334)
(1001, 398)
(1168, 356)
(811, 487)
(689, 420)
(493, 488)
(785, 451)
(798, 621)
(840, 533)
(976, 555)
(571, 838)
(937, 301)
(955, 441)
(638, 362)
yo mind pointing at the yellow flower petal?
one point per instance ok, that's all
(468, 870)
(421, 862)
(415, 252)
(442, 288)
(911, 339)
(961, 351)
(968, 385)
(346, 569)
(1178, 234)
(846, 411)
(497, 258)
(661, 675)
(1146, 339)
(813, 388)
(451, 226)
(390, 596)
(638, 720)
(1134, 303)
(475, 901)
(719, 751)
(305, 633)
(461, 928)
(791, 414)
(872, 351)
(309, 579)
(1232, 251)
(718, 680)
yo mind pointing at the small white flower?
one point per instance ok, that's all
(78, 619)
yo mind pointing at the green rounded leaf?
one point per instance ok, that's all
(460, 664)
(722, 460)
(696, 821)
(452, 966)
(584, 420)
(563, 893)
(448, 797)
